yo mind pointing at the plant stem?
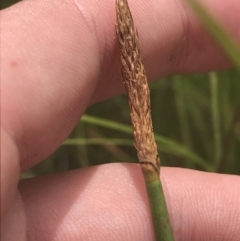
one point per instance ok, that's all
(159, 211)
(136, 85)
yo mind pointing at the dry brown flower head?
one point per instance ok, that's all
(136, 85)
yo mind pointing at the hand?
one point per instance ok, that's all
(60, 56)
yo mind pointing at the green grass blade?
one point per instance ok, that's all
(231, 48)
(174, 150)
(165, 144)
(98, 141)
(179, 87)
(106, 123)
(215, 118)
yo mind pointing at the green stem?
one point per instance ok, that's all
(158, 206)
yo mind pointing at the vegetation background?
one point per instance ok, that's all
(196, 119)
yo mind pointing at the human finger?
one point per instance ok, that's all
(60, 56)
(109, 202)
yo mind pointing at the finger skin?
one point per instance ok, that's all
(10, 170)
(60, 56)
(109, 202)
(13, 225)
(48, 75)
(57, 58)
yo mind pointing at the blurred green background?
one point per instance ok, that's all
(196, 119)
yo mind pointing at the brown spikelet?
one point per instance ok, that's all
(136, 85)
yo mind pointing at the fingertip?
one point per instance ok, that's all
(202, 205)
(110, 202)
